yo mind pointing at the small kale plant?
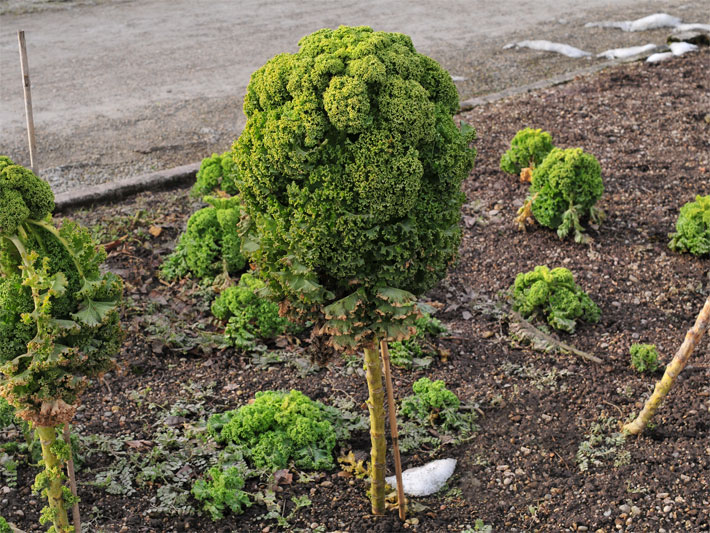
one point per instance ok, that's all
(644, 358)
(222, 491)
(434, 407)
(564, 190)
(527, 150)
(553, 295)
(217, 176)
(417, 351)
(59, 321)
(249, 316)
(210, 247)
(693, 228)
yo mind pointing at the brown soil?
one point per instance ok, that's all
(649, 127)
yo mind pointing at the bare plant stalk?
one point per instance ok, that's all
(680, 359)
(76, 517)
(375, 404)
(53, 466)
(401, 502)
(28, 100)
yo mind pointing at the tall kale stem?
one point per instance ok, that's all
(53, 467)
(375, 404)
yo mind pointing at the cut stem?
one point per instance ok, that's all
(375, 404)
(401, 501)
(53, 467)
(676, 366)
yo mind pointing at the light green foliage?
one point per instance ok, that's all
(693, 228)
(527, 150)
(217, 173)
(210, 245)
(7, 414)
(554, 295)
(223, 491)
(644, 357)
(250, 316)
(350, 173)
(22, 195)
(433, 406)
(60, 323)
(603, 442)
(279, 427)
(4, 526)
(410, 352)
(564, 188)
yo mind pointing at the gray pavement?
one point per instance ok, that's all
(127, 87)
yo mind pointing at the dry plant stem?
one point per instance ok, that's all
(375, 404)
(549, 338)
(47, 435)
(76, 517)
(680, 359)
(401, 502)
(28, 100)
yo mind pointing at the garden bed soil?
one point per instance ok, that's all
(649, 127)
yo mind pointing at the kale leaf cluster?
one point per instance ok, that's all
(693, 228)
(279, 427)
(564, 189)
(528, 149)
(217, 175)
(59, 319)
(554, 295)
(350, 170)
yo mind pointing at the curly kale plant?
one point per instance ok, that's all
(217, 176)
(644, 357)
(693, 228)
(350, 171)
(564, 189)
(554, 295)
(279, 427)
(434, 406)
(223, 491)
(59, 321)
(249, 315)
(210, 246)
(528, 149)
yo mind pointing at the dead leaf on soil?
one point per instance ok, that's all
(155, 231)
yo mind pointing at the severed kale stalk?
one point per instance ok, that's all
(59, 321)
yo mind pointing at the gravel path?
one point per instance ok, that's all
(126, 87)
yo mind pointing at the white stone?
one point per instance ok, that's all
(427, 479)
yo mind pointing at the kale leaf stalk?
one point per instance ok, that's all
(58, 322)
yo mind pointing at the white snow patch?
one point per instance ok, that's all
(427, 479)
(457, 78)
(691, 27)
(677, 49)
(619, 53)
(547, 46)
(651, 22)
(662, 56)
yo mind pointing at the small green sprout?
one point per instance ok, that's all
(554, 295)
(693, 228)
(528, 149)
(644, 358)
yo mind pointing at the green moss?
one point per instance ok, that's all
(564, 188)
(693, 228)
(554, 295)
(217, 173)
(279, 427)
(350, 173)
(528, 149)
(210, 245)
(644, 357)
(250, 316)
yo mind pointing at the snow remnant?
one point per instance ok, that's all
(427, 479)
(677, 49)
(621, 53)
(548, 46)
(651, 22)
(692, 27)
(457, 78)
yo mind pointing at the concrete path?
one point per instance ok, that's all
(124, 87)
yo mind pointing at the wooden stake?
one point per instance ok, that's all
(680, 359)
(76, 518)
(401, 502)
(28, 101)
